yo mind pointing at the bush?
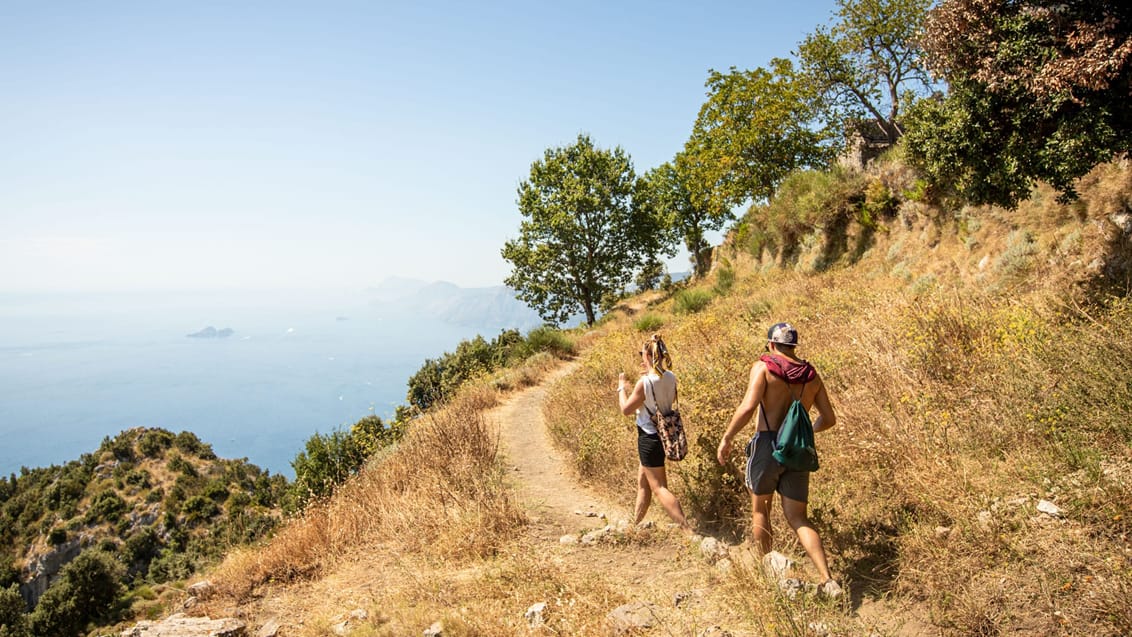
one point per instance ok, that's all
(85, 592)
(549, 339)
(724, 279)
(107, 505)
(690, 301)
(57, 536)
(649, 322)
(199, 509)
(154, 442)
(13, 613)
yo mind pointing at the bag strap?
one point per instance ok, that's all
(762, 410)
(648, 385)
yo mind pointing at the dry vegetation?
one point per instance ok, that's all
(979, 363)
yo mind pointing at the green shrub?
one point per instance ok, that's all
(649, 322)
(691, 300)
(199, 509)
(57, 536)
(549, 339)
(107, 505)
(13, 613)
(154, 442)
(724, 279)
(85, 592)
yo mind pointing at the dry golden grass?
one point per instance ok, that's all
(975, 370)
(439, 492)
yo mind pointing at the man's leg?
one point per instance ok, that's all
(795, 512)
(644, 494)
(658, 482)
(760, 521)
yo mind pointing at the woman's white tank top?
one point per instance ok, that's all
(658, 389)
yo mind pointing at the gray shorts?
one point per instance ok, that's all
(765, 475)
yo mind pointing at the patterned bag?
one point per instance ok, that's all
(669, 427)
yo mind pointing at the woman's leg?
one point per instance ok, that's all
(795, 512)
(658, 483)
(644, 495)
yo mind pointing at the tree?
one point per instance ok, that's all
(664, 194)
(867, 66)
(580, 241)
(86, 591)
(13, 613)
(1038, 91)
(753, 130)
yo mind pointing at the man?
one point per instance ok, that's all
(776, 380)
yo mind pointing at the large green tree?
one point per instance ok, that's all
(1038, 90)
(867, 64)
(754, 129)
(666, 195)
(580, 240)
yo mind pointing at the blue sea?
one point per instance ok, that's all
(75, 368)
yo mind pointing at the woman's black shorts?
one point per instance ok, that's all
(649, 449)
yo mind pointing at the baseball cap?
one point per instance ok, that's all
(783, 334)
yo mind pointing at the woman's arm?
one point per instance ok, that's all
(630, 400)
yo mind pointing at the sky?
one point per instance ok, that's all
(162, 146)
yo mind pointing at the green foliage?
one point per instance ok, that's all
(549, 339)
(13, 613)
(86, 591)
(438, 379)
(580, 240)
(154, 442)
(664, 195)
(724, 279)
(57, 536)
(107, 505)
(691, 300)
(328, 460)
(867, 66)
(199, 509)
(1038, 91)
(649, 322)
(650, 275)
(755, 128)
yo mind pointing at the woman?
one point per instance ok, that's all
(656, 389)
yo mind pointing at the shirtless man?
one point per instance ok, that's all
(776, 379)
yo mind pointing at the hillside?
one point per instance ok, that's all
(160, 505)
(979, 361)
(978, 481)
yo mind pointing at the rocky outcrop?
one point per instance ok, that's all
(181, 626)
(43, 570)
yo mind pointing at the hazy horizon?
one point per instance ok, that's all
(263, 145)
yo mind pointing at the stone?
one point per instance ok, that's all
(819, 629)
(713, 631)
(1049, 508)
(776, 564)
(593, 537)
(436, 630)
(724, 565)
(712, 549)
(984, 517)
(830, 590)
(791, 587)
(189, 603)
(943, 532)
(269, 629)
(568, 539)
(181, 626)
(534, 615)
(632, 616)
(200, 589)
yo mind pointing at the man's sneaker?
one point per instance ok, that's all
(830, 590)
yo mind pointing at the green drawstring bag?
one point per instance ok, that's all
(794, 446)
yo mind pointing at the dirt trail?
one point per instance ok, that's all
(546, 485)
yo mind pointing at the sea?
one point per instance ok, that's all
(76, 368)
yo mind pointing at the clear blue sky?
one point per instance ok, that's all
(206, 145)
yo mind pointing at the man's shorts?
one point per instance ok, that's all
(765, 475)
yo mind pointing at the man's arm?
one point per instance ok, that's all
(756, 387)
(826, 417)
